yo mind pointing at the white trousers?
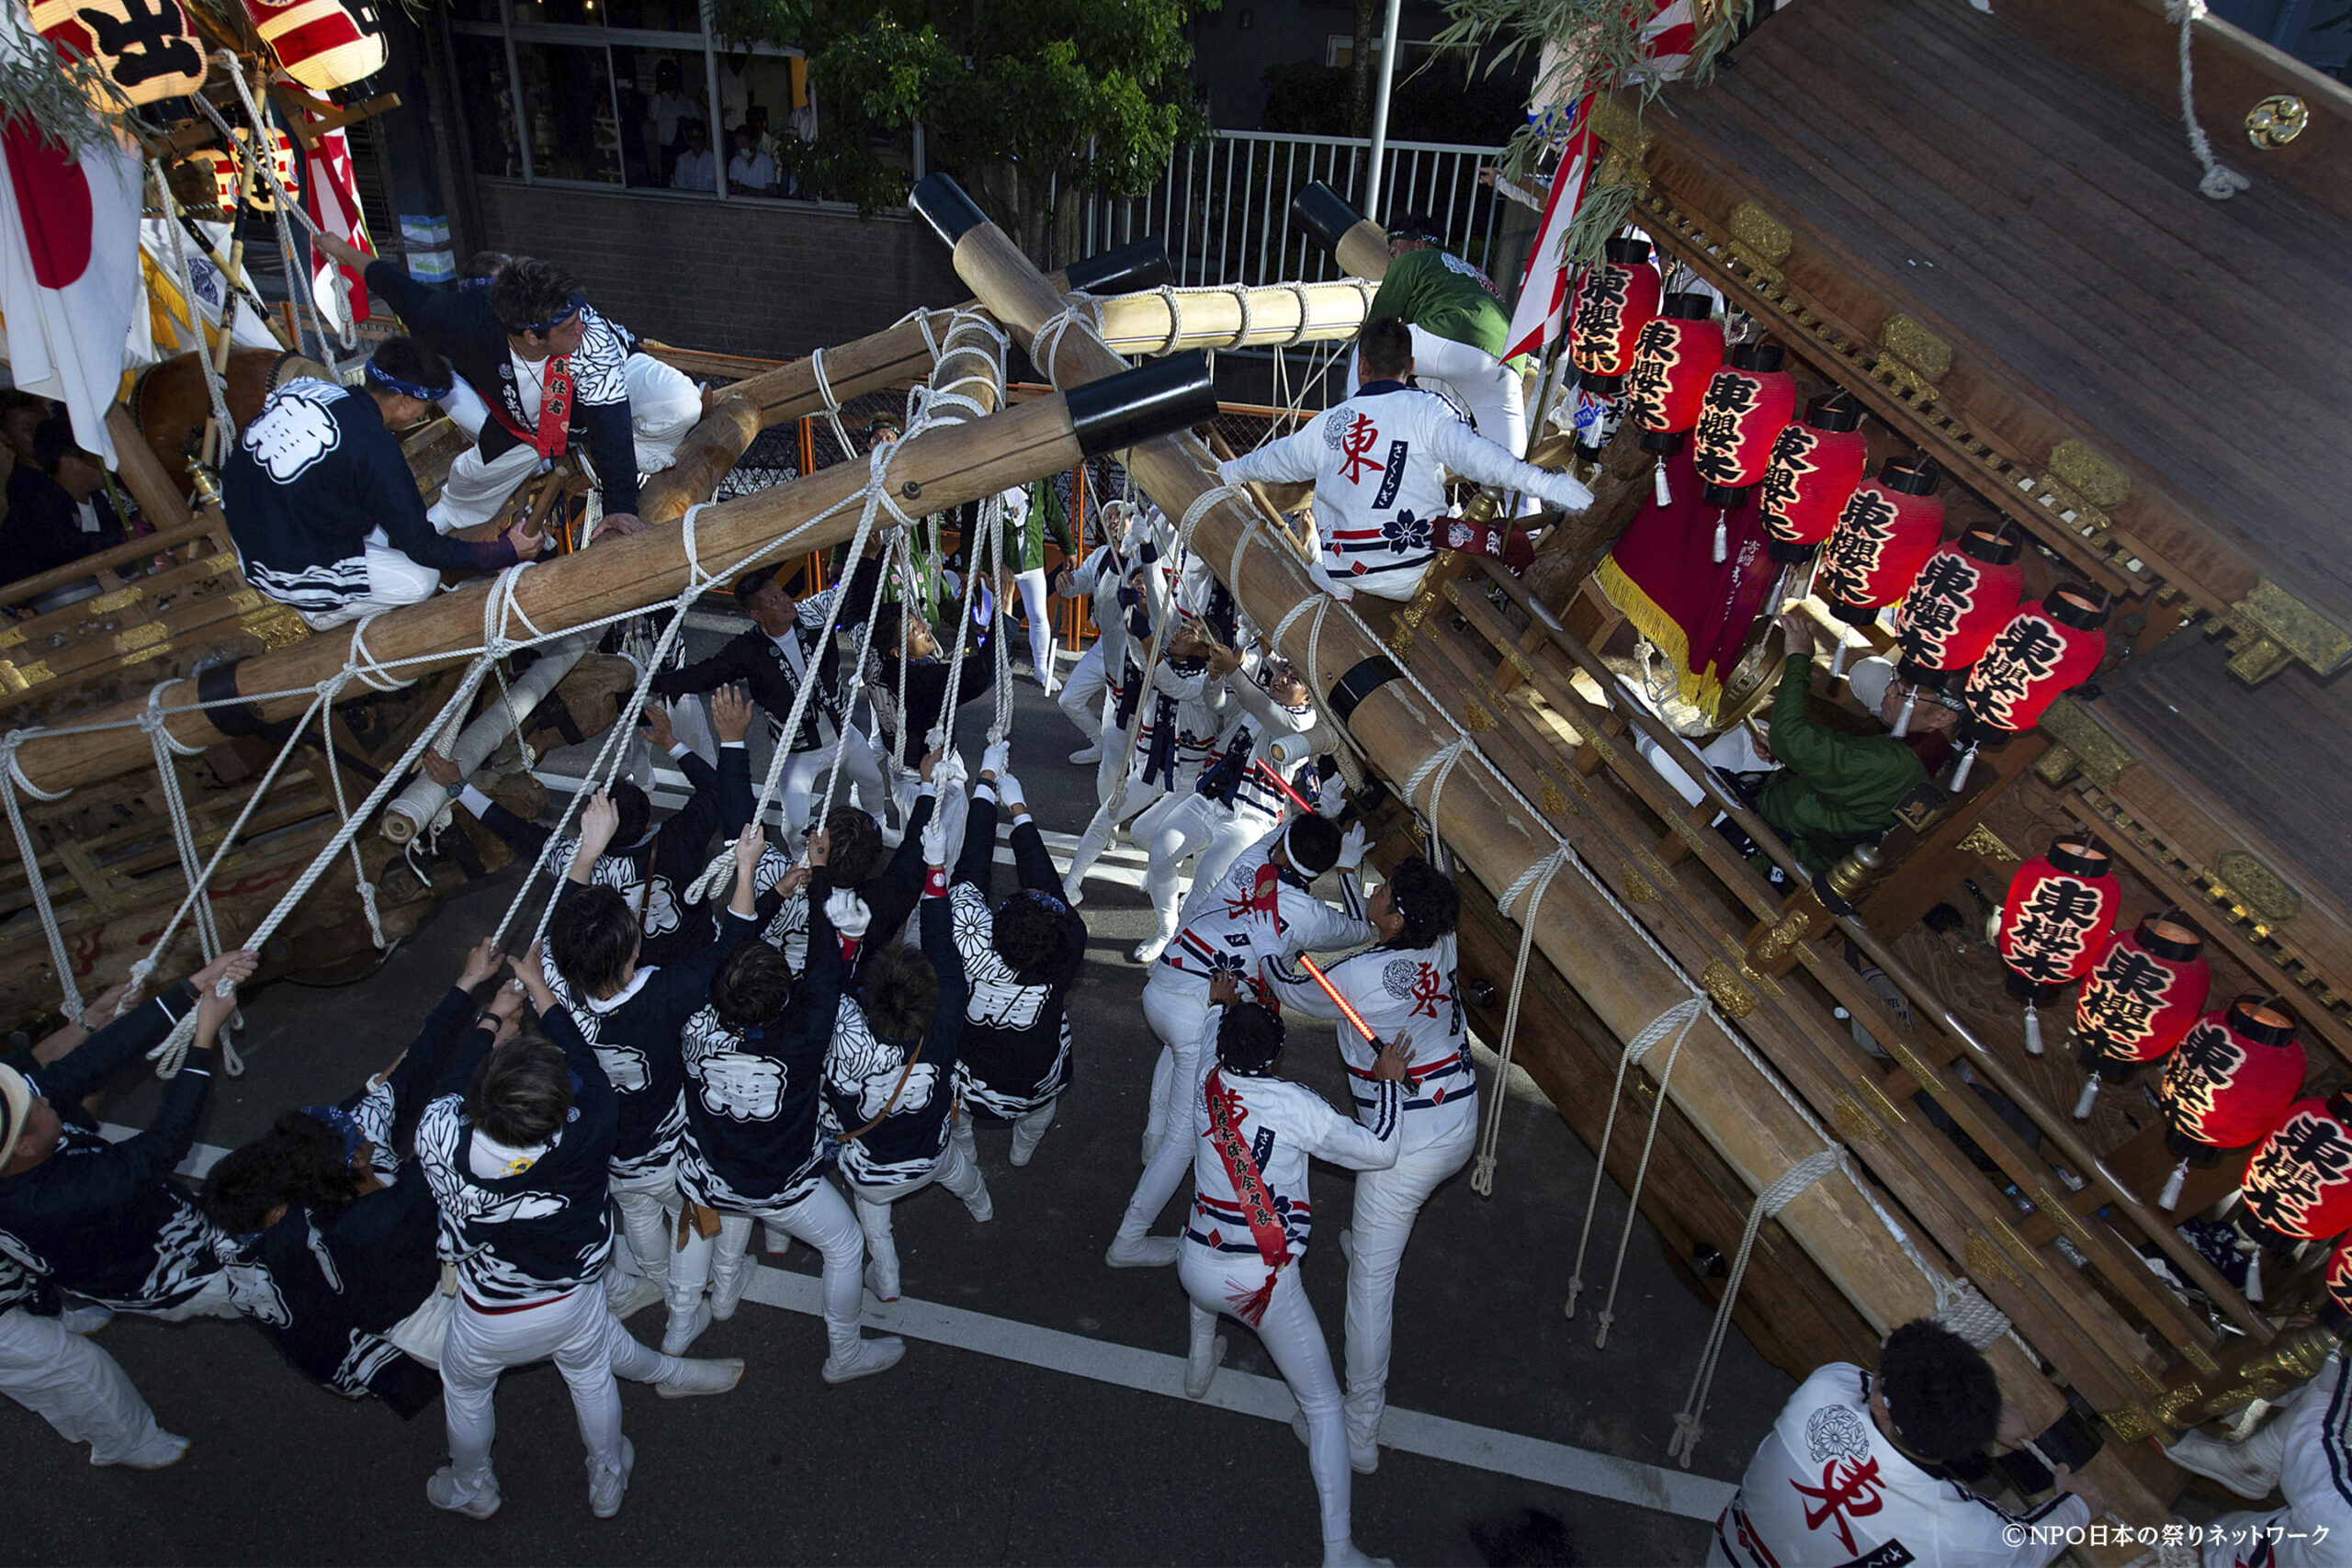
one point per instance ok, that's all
(807, 770)
(1234, 832)
(588, 1345)
(1177, 1016)
(1387, 1202)
(1175, 828)
(1097, 837)
(393, 579)
(1031, 1126)
(663, 406)
(1035, 605)
(648, 1206)
(1080, 699)
(1295, 1340)
(823, 1219)
(956, 1170)
(1493, 393)
(71, 1384)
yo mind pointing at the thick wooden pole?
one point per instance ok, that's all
(1726, 1090)
(943, 466)
(1212, 318)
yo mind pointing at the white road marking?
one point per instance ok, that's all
(1644, 1485)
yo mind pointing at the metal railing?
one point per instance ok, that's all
(1224, 205)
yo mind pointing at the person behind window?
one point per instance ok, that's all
(750, 172)
(697, 166)
(667, 116)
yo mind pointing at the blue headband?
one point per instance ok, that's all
(341, 1122)
(572, 308)
(392, 383)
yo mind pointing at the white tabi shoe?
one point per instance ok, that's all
(2225, 1464)
(700, 1377)
(877, 1355)
(626, 1293)
(1201, 1370)
(682, 1332)
(441, 1491)
(1087, 754)
(1144, 1252)
(607, 1488)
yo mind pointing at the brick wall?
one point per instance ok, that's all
(775, 278)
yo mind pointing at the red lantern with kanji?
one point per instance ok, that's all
(323, 44)
(1674, 359)
(2138, 1000)
(2299, 1184)
(1748, 402)
(2048, 648)
(1815, 465)
(1965, 593)
(1614, 301)
(2335, 1285)
(148, 49)
(2227, 1083)
(2061, 906)
(1885, 533)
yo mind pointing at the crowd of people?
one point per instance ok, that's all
(600, 1123)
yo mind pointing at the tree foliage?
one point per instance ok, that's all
(1026, 100)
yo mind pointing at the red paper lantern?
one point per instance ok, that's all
(323, 44)
(2061, 906)
(1748, 402)
(1674, 359)
(1964, 594)
(2336, 1304)
(2049, 647)
(2299, 1184)
(148, 49)
(2234, 1076)
(1815, 465)
(1614, 301)
(1885, 533)
(2138, 1000)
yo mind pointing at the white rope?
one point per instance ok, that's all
(1046, 342)
(214, 390)
(1241, 302)
(1961, 1307)
(144, 970)
(166, 746)
(70, 1000)
(1440, 763)
(299, 283)
(172, 1051)
(1299, 292)
(1783, 1192)
(1677, 1021)
(361, 660)
(1534, 882)
(832, 403)
(2220, 182)
(359, 881)
(1168, 297)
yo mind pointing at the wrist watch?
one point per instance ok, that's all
(455, 788)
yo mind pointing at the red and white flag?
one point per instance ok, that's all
(1542, 312)
(69, 272)
(332, 199)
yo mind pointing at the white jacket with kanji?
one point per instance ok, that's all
(1379, 496)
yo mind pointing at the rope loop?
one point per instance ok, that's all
(2221, 181)
(8, 744)
(1299, 292)
(1241, 301)
(362, 661)
(1175, 304)
(1046, 342)
(1202, 505)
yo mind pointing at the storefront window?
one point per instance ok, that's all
(573, 123)
(489, 99)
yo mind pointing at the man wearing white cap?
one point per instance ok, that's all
(104, 1220)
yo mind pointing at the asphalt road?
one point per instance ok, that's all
(965, 1452)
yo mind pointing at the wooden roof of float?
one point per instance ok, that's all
(1990, 226)
(2022, 235)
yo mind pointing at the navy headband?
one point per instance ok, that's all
(392, 383)
(572, 308)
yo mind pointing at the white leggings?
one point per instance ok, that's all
(956, 1172)
(821, 1219)
(589, 1347)
(1174, 828)
(1081, 695)
(1387, 1202)
(648, 1206)
(1097, 837)
(1295, 1340)
(1036, 605)
(807, 770)
(68, 1381)
(1177, 1017)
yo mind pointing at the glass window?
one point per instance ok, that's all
(474, 11)
(569, 91)
(662, 15)
(763, 107)
(665, 94)
(489, 103)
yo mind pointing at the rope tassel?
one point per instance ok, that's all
(1676, 1021)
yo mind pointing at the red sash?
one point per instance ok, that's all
(1257, 1203)
(554, 433)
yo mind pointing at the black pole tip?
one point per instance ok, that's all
(1155, 398)
(944, 205)
(1129, 268)
(1321, 212)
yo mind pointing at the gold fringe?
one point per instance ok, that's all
(1703, 689)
